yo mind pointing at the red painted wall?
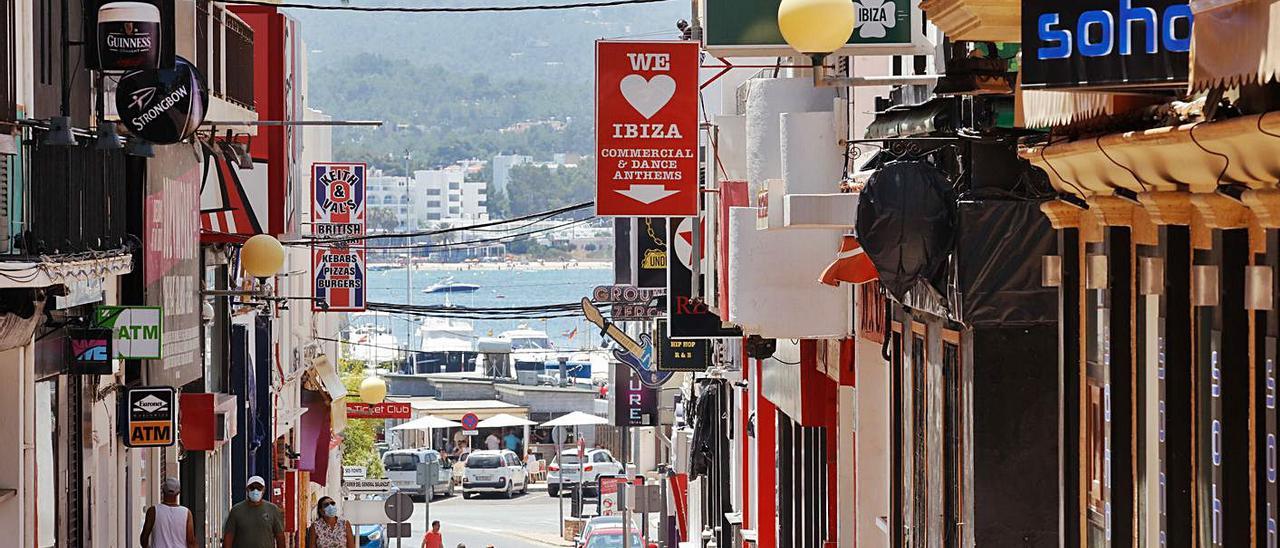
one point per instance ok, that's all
(767, 440)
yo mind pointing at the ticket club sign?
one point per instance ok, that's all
(338, 206)
(340, 277)
(384, 410)
(647, 128)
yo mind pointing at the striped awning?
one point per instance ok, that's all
(1234, 42)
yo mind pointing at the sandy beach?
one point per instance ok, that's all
(518, 265)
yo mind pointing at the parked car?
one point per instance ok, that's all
(566, 471)
(369, 536)
(494, 472)
(611, 537)
(401, 466)
(600, 522)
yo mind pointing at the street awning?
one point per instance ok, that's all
(455, 409)
(1191, 157)
(1045, 108)
(1234, 42)
(427, 422)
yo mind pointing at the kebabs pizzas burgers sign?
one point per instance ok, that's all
(647, 128)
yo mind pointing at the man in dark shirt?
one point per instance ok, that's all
(254, 522)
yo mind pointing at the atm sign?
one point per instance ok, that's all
(151, 417)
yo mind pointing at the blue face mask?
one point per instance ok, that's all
(331, 511)
(255, 495)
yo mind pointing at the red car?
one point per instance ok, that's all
(612, 538)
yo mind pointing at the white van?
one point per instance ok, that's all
(401, 466)
(494, 472)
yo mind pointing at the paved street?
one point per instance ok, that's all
(525, 521)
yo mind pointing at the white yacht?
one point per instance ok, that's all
(446, 335)
(373, 343)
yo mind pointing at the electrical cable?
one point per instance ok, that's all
(453, 245)
(438, 9)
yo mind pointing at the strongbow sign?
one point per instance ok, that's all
(151, 417)
(647, 129)
(163, 106)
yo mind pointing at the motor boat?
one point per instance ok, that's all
(446, 335)
(373, 343)
(447, 285)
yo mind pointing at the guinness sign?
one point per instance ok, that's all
(163, 106)
(128, 36)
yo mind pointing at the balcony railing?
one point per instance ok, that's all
(224, 51)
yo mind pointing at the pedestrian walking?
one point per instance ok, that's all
(254, 522)
(433, 539)
(512, 441)
(329, 530)
(168, 524)
(492, 442)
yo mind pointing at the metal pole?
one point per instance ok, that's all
(622, 489)
(582, 477)
(563, 361)
(559, 495)
(663, 524)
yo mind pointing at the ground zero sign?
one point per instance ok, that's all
(151, 417)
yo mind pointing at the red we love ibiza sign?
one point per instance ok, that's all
(647, 128)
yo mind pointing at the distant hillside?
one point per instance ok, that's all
(456, 86)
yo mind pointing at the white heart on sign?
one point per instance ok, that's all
(647, 96)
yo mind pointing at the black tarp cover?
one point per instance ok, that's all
(906, 223)
(998, 255)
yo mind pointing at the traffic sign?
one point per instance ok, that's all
(558, 434)
(354, 472)
(646, 128)
(470, 422)
(399, 507)
(367, 485)
(398, 530)
(151, 417)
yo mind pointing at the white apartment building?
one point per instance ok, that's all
(431, 195)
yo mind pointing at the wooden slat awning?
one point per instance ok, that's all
(1192, 157)
(976, 20)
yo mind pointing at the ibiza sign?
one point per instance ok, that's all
(750, 27)
(647, 128)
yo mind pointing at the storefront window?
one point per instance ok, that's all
(1097, 420)
(954, 449)
(1209, 427)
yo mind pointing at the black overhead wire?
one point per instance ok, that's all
(535, 217)
(438, 9)
(546, 311)
(466, 243)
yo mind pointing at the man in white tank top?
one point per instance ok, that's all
(169, 525)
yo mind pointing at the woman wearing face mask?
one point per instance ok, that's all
(328, 530)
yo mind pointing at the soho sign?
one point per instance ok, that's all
(1099, 33)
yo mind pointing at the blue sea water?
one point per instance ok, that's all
(498, 288)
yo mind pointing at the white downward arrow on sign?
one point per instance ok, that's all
(647, 194)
